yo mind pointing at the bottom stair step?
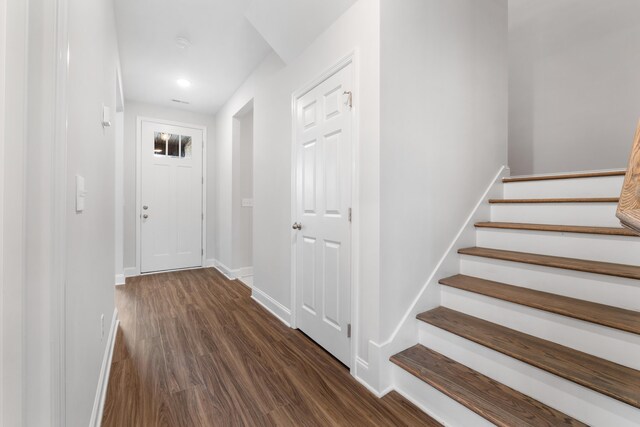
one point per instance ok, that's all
(490, 399)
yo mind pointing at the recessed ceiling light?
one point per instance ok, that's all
(183, 83)
(183, 43)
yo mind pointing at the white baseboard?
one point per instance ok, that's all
(105, 370)
(131, 272)
(244, 272)
(230, 273)
(120, 279)
(273, 306)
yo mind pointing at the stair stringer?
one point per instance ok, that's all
(407, 332)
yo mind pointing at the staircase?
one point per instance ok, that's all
(542, 325)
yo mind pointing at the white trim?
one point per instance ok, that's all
(139, 120)
(59, 220)
(3, 55)
(350, 59)
(230, 273)
(103, 380)
(120, 279)
(131, 272)
(271, 305)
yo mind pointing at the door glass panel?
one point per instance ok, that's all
(185, 146)
(160, 143)
(173, 146)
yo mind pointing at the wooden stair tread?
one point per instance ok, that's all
(613, 317)
(558, 200)
(609, 231)
(605, 377)
(564, 176)
(598, 267)
(488, 398)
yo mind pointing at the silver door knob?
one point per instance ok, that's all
(145, 216)
(297, 226)
(145, 207)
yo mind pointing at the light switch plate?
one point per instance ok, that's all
(80, 193)
(247, 203)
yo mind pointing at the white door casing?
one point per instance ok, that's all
(171, 196)
(323, 195)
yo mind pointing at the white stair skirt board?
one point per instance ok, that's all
(590, 214)
(406, 333)
(435, 403)
(601, 341)
(575, 284)
(273, 306)
(608, 186)
(105, 370)
(566, 396)
(616, 249)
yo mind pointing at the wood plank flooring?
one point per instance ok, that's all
(193, 349)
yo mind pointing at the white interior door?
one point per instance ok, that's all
(323, 189)
(171, 197)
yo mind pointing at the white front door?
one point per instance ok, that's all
(171, 197)
(323, 192)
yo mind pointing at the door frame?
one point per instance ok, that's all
(350, 59)
(139, 120)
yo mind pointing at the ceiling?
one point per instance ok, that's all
(228, 39)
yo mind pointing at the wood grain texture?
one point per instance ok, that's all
(597, 267)
(563, 176)
(557, 200)
(605, 315)
(490, 399)
(194, 349)
(582, 229)
(608, 378)
(629, 207)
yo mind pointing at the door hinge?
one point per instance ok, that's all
(202, 251)
(350, 214)
(349, 330)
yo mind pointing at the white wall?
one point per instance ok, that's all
(133, 110)
(13, 98)
(242, 240)
(443, 133)
(574, 92)
(90, 234)
(223, 159)
(357, 29)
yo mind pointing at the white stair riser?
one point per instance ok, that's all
(436, 403)
(608, 290)
(609, 186)
(601, 341)
(577, 401)
(591, 214)
(616, 249)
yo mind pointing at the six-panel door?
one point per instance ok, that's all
(323, 245)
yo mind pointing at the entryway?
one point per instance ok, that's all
(171, 195)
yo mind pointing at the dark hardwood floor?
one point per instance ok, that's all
(193, 349)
